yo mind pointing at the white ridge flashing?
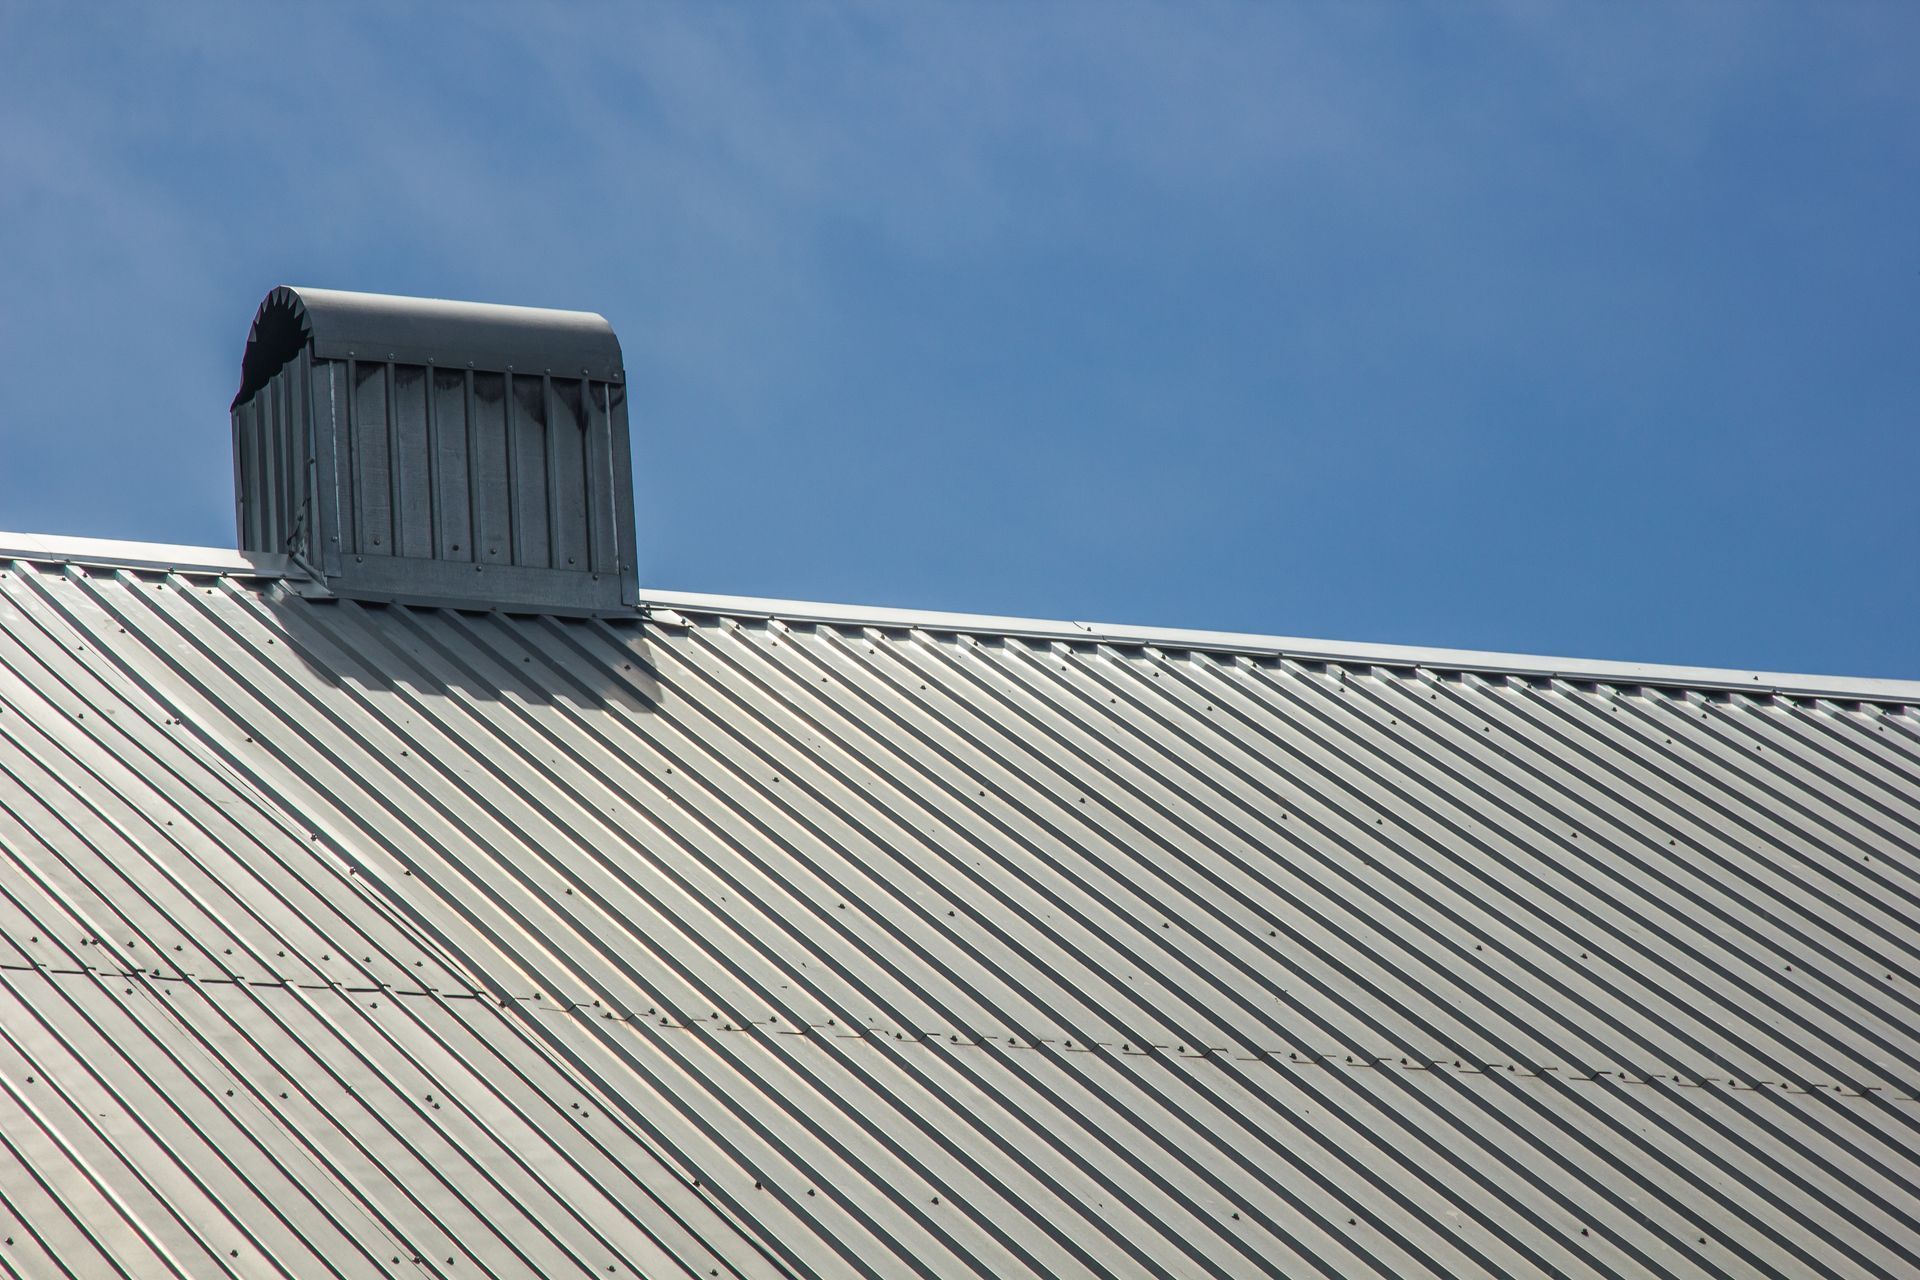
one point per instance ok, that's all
(169, 558)
(1307, 650)
(165, 557)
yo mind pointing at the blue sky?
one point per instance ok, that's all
(1586, 330)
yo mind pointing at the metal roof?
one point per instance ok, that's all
(755, 939)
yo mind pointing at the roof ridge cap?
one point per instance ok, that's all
(181, 558)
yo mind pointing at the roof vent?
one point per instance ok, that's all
(443, 453)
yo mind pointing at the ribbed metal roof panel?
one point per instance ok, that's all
(728, 942)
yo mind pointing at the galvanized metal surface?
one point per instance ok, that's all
(715, 944)
(107, 553)
(436, 452)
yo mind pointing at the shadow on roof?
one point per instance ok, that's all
(376, 649)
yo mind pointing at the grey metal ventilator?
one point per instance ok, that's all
(444, 453)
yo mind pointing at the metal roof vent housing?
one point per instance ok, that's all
(443, 453)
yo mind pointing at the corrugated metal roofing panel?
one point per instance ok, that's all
(746, 944)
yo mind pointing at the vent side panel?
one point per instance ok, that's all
(272, 469)
(336, 510)
(453, 503)
(620, 454)
(566, 437)
(373, 479)
(531, 475)
(493, 495)
(413, 470)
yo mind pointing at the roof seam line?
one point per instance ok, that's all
(1571, 1072)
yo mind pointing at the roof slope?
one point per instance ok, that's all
(350, 940)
